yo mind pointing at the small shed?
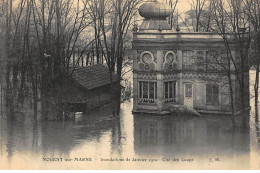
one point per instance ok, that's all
(85, 89)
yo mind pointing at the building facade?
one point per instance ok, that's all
(85, 89)
(175, 68)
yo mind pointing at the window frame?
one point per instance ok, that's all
(141, 92)
(146, 52)
(171, 93)
(211, 94)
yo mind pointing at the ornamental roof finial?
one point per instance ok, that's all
(155, 14)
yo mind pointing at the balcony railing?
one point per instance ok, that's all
(180, 35)
(146, 100)
(170, 100)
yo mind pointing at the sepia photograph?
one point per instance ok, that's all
(129, 84)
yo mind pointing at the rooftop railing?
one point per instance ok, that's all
(153, 34)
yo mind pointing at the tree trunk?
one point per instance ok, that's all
(9, 93)
(256, 87)
(87, 59)
(35, 96)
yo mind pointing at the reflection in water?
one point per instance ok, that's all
(57, 138)
(173, 136)
(10, 140)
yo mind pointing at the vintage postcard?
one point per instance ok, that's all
(129, 85)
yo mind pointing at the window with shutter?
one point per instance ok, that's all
(212, 94)
(215, 94)
(170, 91)
(208, 93)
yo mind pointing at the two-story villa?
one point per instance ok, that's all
(175, 68)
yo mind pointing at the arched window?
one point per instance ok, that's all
(170, 58)
(170, 61)
(147, 57)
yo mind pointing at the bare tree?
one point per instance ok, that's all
(58, 26)
(172, 4)
(253, 13)
(230, 23)
(112, 21)
(197, 8)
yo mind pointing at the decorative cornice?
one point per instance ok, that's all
(159, 46)
(203, 76)
(185, 75)
(147, 76)
(170, 76)
(178, 71)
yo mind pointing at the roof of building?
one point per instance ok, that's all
(93, 76)
(155, 25)
(155, 10)
(155, 14)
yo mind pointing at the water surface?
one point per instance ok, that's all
(102, 140)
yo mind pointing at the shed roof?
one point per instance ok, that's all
(93, 76)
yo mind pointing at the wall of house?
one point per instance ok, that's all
(157, 69)
(98, 97)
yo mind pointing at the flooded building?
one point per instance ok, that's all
(172, 67)
(85, 89)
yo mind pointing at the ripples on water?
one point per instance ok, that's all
(207, 142)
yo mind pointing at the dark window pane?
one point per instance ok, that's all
(174, 89)
(209, 93)
(216, 94)
(140, 89)
(151, 90)
(145, 89)
(166, 90)
(170, 90)
(155, 90)
(212, 94)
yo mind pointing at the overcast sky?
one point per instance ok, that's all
(183, 6)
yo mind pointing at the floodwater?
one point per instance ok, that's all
(103, 141)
